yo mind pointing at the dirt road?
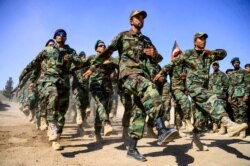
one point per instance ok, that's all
(22, 145)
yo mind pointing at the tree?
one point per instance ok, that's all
(8, 88)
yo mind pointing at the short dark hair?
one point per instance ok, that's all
(50, 40)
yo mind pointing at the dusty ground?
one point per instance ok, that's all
(22, 145)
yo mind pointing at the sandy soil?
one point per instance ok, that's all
(22, 145)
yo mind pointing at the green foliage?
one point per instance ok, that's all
(8, 88)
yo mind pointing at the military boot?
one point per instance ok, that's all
(31, 115)
(222, 130)
(189, 125)
(56, 144)
(233, 128)
(53, 135)
(242, 134)
(133, 152)
(98, 138)
(26, 111)
(107, 128)
(78, 117)
(165, 135)
(44, 125)
(80, 130)
(196, 143)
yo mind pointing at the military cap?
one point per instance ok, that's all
(82, 53)
(235, 59)
(98, 42)
(216, 62)
(59, 30)
(247, 65)
(200, 34)
(136, 12)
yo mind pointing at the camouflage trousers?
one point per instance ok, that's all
(205, 103)
(57, 102)
(239, 110)
(166, 100)
(147, 101)
(31, 99)
(127, 101)
(182, 106)
(80, 97)
(102, 94)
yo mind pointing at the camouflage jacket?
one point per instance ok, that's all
(56, 69)
(130, 47)
(102, 74)
(218, 84)
(238, 84)
(197, 65)
(248, 81)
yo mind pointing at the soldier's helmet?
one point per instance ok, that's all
(99, 42)
(235, 59)
(82, 54)
(199, 35)
(136, 12)
(59, 30)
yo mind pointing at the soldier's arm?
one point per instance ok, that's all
(246, 83)
(225, 82)
(210, 83)
(157, 58)
(217, 54)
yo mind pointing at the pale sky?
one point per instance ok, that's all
(26, 25)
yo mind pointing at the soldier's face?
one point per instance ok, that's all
(248, 69)
(60, 37)
(137, 21)
(236, 64)
(216, 67)
(100, 48)
(51, 43)
(200, 43)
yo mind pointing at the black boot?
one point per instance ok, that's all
(133, 152)
(165, 135)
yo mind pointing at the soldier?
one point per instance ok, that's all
(58, 59)
(238, 93)
(182, 103)
(133, 46)
(80, 89)
(100, 85)
(218, 84)
(198, 61)
(247, 68)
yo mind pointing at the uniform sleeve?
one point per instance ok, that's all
(225, 82)
(174, 62)
(210, 83)
(230, 88)
(219, 54)
(246, 83)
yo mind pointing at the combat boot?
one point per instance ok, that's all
(44, 125)
(31, 115)
(53, 135)
(165, 135)
(189, 125)
(56, 144)
(242, 134)
(80, 130)
(26, 111)
(98, 138)
(133, 152)
(222, 130)
(196, 143)
(215, 128)
(107, 129)
(150, 132)
(233, 128)
(78, 117)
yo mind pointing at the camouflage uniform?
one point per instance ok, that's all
(101, 89)
(198, 63)
(237, 90)
(55, 83)
(130, 46)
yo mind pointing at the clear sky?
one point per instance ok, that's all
(26, 25)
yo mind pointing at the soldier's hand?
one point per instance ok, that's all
(87, 73)
(245, 98)
(67, 57)
(183, 75)
(106, 62)
(150, 51)
(157, 77)
(31, 86)
(229, 99)
(209, 52)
